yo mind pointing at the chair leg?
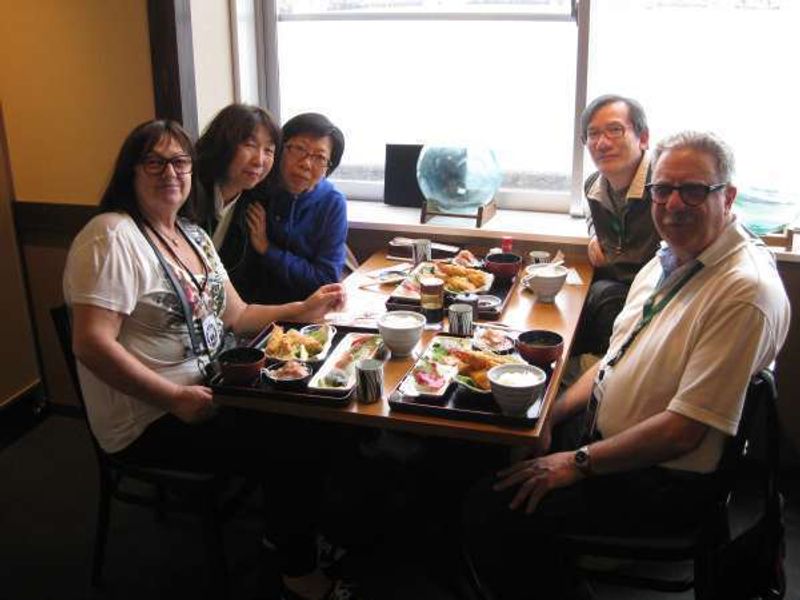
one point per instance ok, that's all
(101, 529)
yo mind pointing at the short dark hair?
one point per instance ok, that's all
(120, 194)
(635, 113)
(317, 125)
(233, 125)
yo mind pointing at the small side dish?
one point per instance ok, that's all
(494, 340)
(289, 375)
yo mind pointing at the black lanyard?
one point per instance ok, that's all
(197, 346)
(650, 309)
(200, 289)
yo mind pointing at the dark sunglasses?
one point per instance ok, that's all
(692, 194)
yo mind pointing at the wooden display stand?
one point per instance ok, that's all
(484, 213)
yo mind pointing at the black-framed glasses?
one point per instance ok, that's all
(612, 131)
(156, 165)
(692, 194)
(320, 161)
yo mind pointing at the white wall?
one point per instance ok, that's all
(213, 64)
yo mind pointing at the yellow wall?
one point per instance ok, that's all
(75, 77)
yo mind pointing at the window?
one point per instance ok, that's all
(515, 74)
(496, 74)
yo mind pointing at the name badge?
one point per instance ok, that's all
(211, 333)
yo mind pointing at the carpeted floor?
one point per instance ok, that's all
(47, 511)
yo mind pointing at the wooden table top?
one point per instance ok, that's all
(522, 312)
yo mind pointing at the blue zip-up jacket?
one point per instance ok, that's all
(307, 236)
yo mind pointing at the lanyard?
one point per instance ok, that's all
(650, 309)
(200, 289)
(197, 346)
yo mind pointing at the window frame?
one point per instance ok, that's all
(266, 26)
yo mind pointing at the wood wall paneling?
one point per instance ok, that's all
(172, 57)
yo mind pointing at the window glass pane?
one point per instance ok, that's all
(246, 51)
(509, 85)
(719, 65)
(554, 7)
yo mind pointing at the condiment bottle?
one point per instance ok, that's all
(507, 243)
(432, 301)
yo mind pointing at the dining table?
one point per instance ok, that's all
(366, 300)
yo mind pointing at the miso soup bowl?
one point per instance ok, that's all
(503, 265)
(241, 366)
(540, 347)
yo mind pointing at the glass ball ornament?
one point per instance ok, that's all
(458, 179)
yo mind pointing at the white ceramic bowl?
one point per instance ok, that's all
(546, 282)
(515, 387)
(401, 330)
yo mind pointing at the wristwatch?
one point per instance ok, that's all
(583, 460)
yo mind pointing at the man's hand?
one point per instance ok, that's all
(257, 227)
(326, 299)
(595, 251)
(193, 403)
(537, 477)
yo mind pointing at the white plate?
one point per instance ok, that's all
(391, 274)
(480, 344)
(410, 386)
(318, 380)
(305, 331)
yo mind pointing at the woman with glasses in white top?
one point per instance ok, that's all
(150, 301)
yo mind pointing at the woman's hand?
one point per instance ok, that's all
(595, 251)
(326, 299)
(536, 477)
(193, 404)
(257, 227)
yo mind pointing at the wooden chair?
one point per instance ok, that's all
(206, 495)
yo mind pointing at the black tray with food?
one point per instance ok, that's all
(492, 299)
(306, 368)
(458, 396)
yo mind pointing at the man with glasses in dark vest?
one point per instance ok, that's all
(636, 439)
(622, 237)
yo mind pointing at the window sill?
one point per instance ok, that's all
(557, 228)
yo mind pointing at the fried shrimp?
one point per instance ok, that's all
(275, 340)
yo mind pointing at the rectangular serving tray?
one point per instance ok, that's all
(462, 404)
(502, 288)
(263, 387)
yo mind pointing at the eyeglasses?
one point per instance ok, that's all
(692, 194)
(613, 131)
(320, 161)
(156, 165)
